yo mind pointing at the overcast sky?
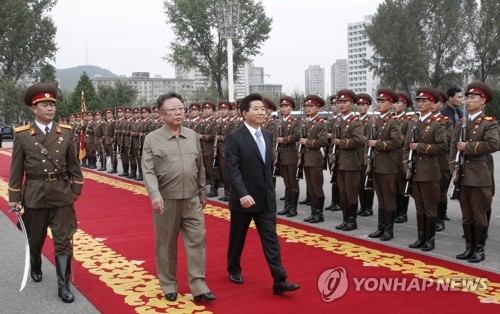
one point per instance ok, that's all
(126, 36)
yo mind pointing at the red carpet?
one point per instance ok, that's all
(115, 267)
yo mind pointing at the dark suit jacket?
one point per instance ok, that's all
(248, 173)
(450, 113)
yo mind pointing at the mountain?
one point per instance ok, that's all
(68, 78)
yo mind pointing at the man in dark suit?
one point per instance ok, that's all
(452, 109)
(249, 166)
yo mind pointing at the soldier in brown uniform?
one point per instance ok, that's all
(335, 204)
(288, 155)
(207, 138)
(157, 121)
(195, 120)
(134, 143)
(444, 182)
(145, 126)
(127, 141)
(476, 178)
(388, 130)
(120, 139)
(226, 125)
(402, 200)
(366, 196)
(109, 139)
(43, 156)
(316, 138)
(428, 142)
(90, 140)
(271, 125)
(349, 157)
(99, 130)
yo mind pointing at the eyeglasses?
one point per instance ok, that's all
(174, 110)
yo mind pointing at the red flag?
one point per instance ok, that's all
(83, 151)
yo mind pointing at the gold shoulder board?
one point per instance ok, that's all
(65, 126)
(22, 128)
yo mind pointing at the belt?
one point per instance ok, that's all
(51, 176)
(475, 158)
(423, 156)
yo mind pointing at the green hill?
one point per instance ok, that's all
(68, 78)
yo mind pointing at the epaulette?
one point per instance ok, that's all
(355, 118)
(410, 118)
(65, 126)
(294, 119)
(22, 128)
(321, 120)
(490, 118)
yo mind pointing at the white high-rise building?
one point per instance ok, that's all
(338, 76)
(315, 80)
(360, 78)
(241, 85)
(200, 80)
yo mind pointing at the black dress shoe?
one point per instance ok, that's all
(124, 174)
(238, 279)
(279, 288)
(36, 276)
(171, 296)
(209, 296)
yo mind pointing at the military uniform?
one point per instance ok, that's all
(99, 130)
(135, 130)
(90, 142)
(476, 180)
(45, 159)
(120, 131)
(431, 139)
(110, 139)
(207, 138)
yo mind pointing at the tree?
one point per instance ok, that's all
(47, 73)
(198, 43)
(121, 93)
(14, 108)
(482, 30)
(91, 99)
(27, 37)
(395, 36)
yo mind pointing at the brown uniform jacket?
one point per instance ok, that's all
(317, 138)
(431, 138)
(388, 141)
(207, 139)
(27, 158)
(482, 140)
(351, 137)
(291, 135)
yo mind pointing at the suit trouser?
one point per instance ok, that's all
(474, 203)
(426, 196)
(62, 223)
(289, 175)
(385, 187)
(314, 181)
(186, 216)
(265, 221)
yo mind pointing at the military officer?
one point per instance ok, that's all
(109, 139)
(99, 131)
(288, 155)
(134, 143)
(226, 125)
(335, 204)
(349, 157)
(271, 125)
(316, 138)
(90, 140)
(388, 131)
(427, 140)
(207, 138)
(476, 179)
(44, 158)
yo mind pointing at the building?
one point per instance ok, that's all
(268, 90)
(360, 78)
(148, 89)
(315, 80)
(339, 78)
(200, 80)
(241, 85)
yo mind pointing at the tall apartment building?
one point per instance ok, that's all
(360, 78)
(315, 80)
(200, 80)
(339, 78)
(241, 84)
(148, 88)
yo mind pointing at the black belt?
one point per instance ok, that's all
(51, 176)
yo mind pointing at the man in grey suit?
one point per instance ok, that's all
(249, 166)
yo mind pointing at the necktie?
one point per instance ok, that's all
(261, 144)
(47, 130)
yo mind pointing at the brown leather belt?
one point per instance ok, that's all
(51, 176)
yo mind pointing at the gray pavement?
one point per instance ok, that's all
(42, 297)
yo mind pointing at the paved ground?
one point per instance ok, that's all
(42, 297)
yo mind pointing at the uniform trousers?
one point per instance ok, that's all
(444, 184)
(184, 216)
(349, 183)
(314, 181)
(384, 185)
(426, 197)
(289, 175)
(474, 203)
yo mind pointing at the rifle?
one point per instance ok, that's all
(458, 172)
(333, 156)
(411, 162)
(278, 149)
(215, 163)
(370, 160)
(302, 147)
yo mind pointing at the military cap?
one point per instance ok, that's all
(97, 112)
(207, 104)
(128, 109)
(481, 89)
(238, 102)
(347, 94)
(89, 113)
(442, 95)
(72, 115)
(224, 104)
(156, 109)
(387, 94)
(287, 100)
(364, 98)
(315, 100)
(233, 105)
(120, 109)
(332, 98)
(428, 92)
(194, 106)
(109, 110)
(40, 92)
(269, 104)
(405, 97)
(136, 110)
(145, 109)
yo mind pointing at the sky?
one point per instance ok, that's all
(126, 36)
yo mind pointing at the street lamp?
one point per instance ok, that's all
(228, 16)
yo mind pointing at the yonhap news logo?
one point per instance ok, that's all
(334, 282)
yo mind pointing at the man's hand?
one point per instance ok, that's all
(303, 141)
(413, 146)
(15, 205)
(75, 197)
(203, 204)
(247, 201)
(279, 140)
(157, 204)
(461, 146)
(372, 143)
